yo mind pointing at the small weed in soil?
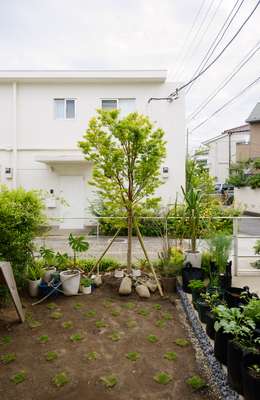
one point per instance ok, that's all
(67, 324)
(92, 355)
(128, 306)
(8, 358)
(167, 316)
(109, 381)
(115, 313)
(90, 314)
(78, 306)
(33, 324)
(144, 312)
(182, 342)
(131, 323)
(19, 377)
(60, 379)
(196, 382)
(107, 303)
(163, 378)
(5, 340)
(133, 356)
(51, 306)
(56, 315)
(152, 338)
(157, 306)
(51, 356)
(77, 337)
(101, 324)
(43, 339)
(115, 336)
(170, 355)
(160, 323)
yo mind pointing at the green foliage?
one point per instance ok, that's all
(152, 338)
(90, 314)
(5, 340)
(163, 378)
(19, 377)
(196, 285)
(56, 315)
(170, 261)
(257, 247)
(182, 342)
(86, 282)
(129, 305)
(115, 336)
(109, 381)
(157, 307)
(144, 312)
(51, 306)
(160, 323)
(133, 356)
(21, 219)
(255, 368)
(78, 244)
(196, 382)
(170, 356)
(48, 256)
(220, 245)
(212, 299)
(43, 338)
(78, 306)
(67, 324)
(76, 337)
(51, 356)
(8, 358)
(252, 310)
(131, 323)
(60, 379)
(254, 181)
(206, 259)
(167, 316)
(115, 313)
(92, 355)
(34, 270)
(101, 324)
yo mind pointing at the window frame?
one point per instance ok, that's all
(117, 99)
(65, 99)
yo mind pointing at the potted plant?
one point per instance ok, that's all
(86, 285)
(220, 245)
(236, 297)
(251, 377)
(170, 265)
(196, 286)
(49, 258)
(70, 279)
(256, 264)
(222, 313)
(34, 275)
(212, 299)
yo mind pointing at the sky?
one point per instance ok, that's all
(140, 34)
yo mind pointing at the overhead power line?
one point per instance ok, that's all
(219, 55)
(226, 104)
(225, 82)
(217, 39)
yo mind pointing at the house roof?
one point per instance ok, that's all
(255, 114)
(238, 129)
(118, 75)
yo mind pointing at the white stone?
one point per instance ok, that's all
(125, 286)
(142, 291)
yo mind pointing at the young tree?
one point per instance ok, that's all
(127, 154)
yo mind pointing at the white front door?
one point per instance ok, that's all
(72, 191)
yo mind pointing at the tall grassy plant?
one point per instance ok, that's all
(220, 246)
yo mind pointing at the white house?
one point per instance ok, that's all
(43, 114)
(222, 151)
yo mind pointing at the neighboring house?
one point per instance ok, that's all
(44, 114)
(201, 156)
(251, 149)
(222, 151)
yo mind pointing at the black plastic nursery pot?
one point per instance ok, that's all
(210, 321)
(195, 296)
(235, 354)
(188, 274)
(250, 380)
(202, 309)
(233, 296)
(220, 346)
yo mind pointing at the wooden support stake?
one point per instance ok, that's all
(104, 252)
(147, 258)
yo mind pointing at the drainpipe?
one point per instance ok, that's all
(14, 93)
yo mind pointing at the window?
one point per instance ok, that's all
(126, 106)
(64, 108)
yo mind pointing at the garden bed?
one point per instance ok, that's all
(90, 337)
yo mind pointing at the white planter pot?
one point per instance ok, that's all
(119, 273)
(86, 289)
(48, 273)
(70, 280)
(193, 258)
(34, 287)
(136, 273)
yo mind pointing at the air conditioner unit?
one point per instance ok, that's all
(165, 172)
(8, 173)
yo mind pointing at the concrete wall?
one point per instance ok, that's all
(248, 199)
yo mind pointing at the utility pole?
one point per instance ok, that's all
(229, 152)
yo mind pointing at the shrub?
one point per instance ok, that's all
(196, 382)
(254, 181)
(21, 219)
(163, 378)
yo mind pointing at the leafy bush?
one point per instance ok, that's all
(196, 382)
(254, 181)
(21, 219)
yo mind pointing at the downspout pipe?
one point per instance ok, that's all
(14, 166)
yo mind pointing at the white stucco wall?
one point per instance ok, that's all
(39, 134)
(248, 199)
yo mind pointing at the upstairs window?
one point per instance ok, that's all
(64, 108)
(126, 106)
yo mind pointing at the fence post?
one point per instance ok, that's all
(235, 244)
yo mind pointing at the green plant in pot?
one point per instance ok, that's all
(170, 265)
(220, 246)
(197, 286)
(34, 273)
(71, 278)
(256, 264)
(211, 298)
(86, 285)
(251, 377)
(49, 259)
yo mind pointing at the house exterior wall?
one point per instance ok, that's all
(38, 134)
(252, 148)
(247, 199)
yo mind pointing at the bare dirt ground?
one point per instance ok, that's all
(134, 378)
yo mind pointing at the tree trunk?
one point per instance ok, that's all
(129, 241)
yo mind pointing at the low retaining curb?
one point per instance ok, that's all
(218, 377)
